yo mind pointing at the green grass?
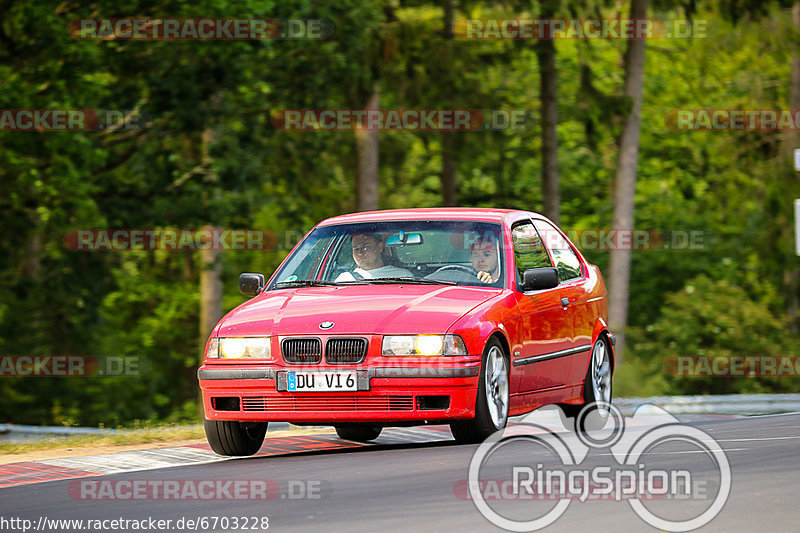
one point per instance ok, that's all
(636, 378)
(122, 438)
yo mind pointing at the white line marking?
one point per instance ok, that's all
(776, 414)
(684, 451)
(759, 438)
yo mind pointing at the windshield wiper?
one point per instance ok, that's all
(413, 281)
(305, 283)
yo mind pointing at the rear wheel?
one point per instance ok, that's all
(491, 406)
(600, 373)
(361, 433)
(230, 437)
(596, 389)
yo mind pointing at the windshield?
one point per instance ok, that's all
(455, 252)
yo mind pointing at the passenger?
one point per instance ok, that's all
(485, 259)
(368, 255)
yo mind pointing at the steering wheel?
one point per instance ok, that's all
(452, 267)
(459, 268)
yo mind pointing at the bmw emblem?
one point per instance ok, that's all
(326, 325)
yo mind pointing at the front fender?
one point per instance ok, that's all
(601, 328)
(484, 320)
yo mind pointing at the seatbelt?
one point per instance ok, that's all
(356, 275)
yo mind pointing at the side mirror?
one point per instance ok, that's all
(537, 279)
(251, 284)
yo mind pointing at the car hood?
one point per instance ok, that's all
(354, 309)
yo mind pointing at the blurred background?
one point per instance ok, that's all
(206, 153)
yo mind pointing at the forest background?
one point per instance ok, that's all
(205, 152)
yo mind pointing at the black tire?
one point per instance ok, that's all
(230, 437)
(360, 433)
(486, 420)
(596, 388)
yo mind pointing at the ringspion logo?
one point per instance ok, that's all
(541, 461)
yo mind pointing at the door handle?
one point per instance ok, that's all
(565, 301)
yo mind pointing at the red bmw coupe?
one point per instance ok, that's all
(407, 317)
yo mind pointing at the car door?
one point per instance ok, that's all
(546, 323)
(575, 286)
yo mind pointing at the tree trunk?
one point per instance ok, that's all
(367, 150)
(794, 91)
(448, 177)
(210, 290)
(792, 137)
(449, 198)
(548, 73)
(790, 275)
(625, 183)
(32, 261)
(210, 263)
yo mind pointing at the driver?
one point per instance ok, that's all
(484, 259)
(368, 255)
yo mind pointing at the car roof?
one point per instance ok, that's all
(435, 213)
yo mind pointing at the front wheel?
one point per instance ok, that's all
(491, 406)
(230, 437)
(358, 433)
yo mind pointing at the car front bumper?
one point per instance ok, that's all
(386, 395)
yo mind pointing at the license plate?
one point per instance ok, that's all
(321, 381)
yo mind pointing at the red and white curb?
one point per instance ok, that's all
(24, 473)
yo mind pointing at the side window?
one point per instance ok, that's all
(529, 251)
(567, 263)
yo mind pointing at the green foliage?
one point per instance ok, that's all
(707, 318)
(210, 155)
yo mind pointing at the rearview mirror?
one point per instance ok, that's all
(401, 238)
(537, 279)
(250, 283)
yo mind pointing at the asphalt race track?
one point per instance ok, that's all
(413, 480)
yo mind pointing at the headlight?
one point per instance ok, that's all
(240, 348)
(424, 345)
